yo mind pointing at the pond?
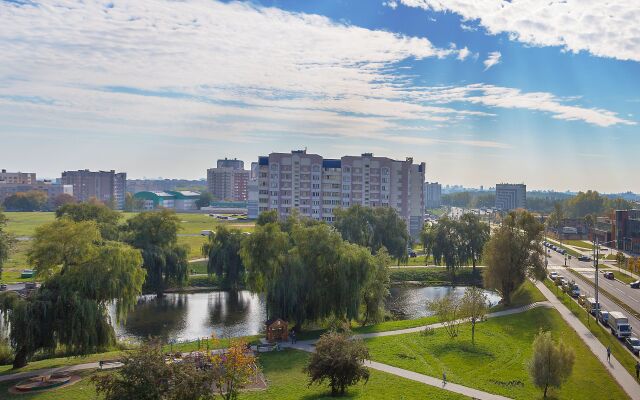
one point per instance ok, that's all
(188, 316)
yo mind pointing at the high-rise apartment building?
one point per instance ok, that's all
(108, 187)
(228, 181)
(316, 186)
(432, 195)
(18, 178)
(228, 163)
(511, 196)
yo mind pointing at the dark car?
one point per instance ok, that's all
(412, 254)
(584, 258)
(609, 275)
(633, 344)
(635, 285)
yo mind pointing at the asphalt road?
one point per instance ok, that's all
(622, 291)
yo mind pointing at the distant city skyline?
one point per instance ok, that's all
(548, 96)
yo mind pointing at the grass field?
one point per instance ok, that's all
(497, 362)
(579, 243)
(602, 334)
(195, 245)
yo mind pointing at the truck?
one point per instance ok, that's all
(619, 324)
(591, 306)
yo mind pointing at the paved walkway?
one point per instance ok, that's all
(621, 375)
(67, 368)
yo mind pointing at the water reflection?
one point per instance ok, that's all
(228, 314)
(408, 302)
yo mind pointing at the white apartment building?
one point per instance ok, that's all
(316, 186)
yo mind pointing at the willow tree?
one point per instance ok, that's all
(82, 274)
(6, 241)
(223, 250)
(155, 233)
(106, 218)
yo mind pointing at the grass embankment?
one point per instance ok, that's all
(601, 333)
(620, 274)
(498, 361)
(579, 243)
(434, 276)
(570, 251)
(528, 293)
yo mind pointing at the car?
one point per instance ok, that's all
(633, 344)
(584, 258)
(562, 251)
(206, 232)
(553, 276)
(3, 287)
(603, 317)
(582, 299)
(412, 254)
(609, 275)
(635, 285)
(30, 285)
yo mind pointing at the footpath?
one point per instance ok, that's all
(619, 373)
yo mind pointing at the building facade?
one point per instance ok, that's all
(108, 187)
(228, 163)
(626, 230)
(316, 186)
(18, 178)
(228, 183)
(511, 196)
(432, 195)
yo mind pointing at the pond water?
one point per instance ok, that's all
(188, 316)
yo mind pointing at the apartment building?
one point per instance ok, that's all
(52, 190)
(108, 187)
(316, 186)
(432, 195)
(511, 196)
(18, 178)
(228, 181)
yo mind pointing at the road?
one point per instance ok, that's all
(622, 291)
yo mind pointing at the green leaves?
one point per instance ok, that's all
(223, 250)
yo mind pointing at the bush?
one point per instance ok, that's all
(6, 353)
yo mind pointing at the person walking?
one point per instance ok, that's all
(638, 370)
(609, 353)
(444, 378)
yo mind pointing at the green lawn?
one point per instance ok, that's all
(195, 245)
(579, 243)
(601, 333)
(528, 293)
(435, 275)
(60, 362)
(619, 274)
(198, 267)
(16, 263)
(497, 363)
(287, 381)
(25, 223)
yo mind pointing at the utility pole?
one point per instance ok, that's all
(596, 254)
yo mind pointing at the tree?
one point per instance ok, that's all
(131, 203)
(155, 233)
(233, 370)
(145, 375)
(62, 199)
(82, 275)
(620, 259)
(6, 241)
(223, 250)
(448, 245)
(376, 290)
(427, 238)
(26, 201)
(205, 200)
(374, 228)
(448, 310)
(514, 253)
(267, 217)
(475, 234)
(551, 364)
(338, 359)
(106, 219)
(474, 307)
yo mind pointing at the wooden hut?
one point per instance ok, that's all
(277, 330)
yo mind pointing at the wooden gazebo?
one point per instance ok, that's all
(277, 330)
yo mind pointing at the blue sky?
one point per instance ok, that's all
(496, 91)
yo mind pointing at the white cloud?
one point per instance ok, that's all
(393, 4)
(463, 53)
(492, 59)
(603, 28)
(230, 71)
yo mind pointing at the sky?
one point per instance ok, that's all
(520, 91)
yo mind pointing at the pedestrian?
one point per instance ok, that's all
(638, 370)
(100, 363)
(444, 378)
(608, 353)
(294, 340)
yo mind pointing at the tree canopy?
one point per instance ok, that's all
(33, 200)
(514, 253)
(374, 227)
(155, 234)
(552, 363)
(223, 250)
(82, 274)
(106, 219)
(310, 272)
(204, 200)
(6, 241)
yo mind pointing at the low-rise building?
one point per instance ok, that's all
(185, 200)
(150, 200)
(19, 178)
